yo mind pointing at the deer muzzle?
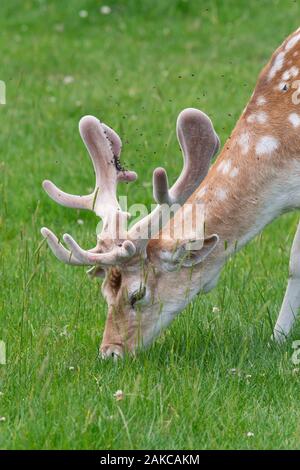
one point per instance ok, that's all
(111, 351)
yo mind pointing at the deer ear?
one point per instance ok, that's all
(188, 253)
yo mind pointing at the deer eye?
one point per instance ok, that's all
(137, 295)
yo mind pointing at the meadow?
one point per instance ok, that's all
(211, 381)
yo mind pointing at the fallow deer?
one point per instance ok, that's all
(255, 179)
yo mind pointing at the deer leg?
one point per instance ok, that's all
(291, 302)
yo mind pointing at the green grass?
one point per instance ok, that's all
(136, 69)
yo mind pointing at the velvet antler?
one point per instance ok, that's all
(198, 142)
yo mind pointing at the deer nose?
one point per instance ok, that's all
(111, 351)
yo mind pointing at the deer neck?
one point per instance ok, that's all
(256, 178)
(257, 175)
(248, 186)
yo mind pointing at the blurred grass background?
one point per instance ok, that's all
(211, 378)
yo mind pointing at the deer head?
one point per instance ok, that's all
(146, 273)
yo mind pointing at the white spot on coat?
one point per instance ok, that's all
(261, 100)
(234, 172)
(260, 117)
(220, 166)
(292, 42)
(221, 194)
(294, 119)
(224, 166)
(266, 145)
(277, 65)
(244, 142)
(292, 72)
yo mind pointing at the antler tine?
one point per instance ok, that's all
(102, 157)
(161, 192)
(199, 143)
(117, 255)
(116, 145)
(66, 199)
(58, 249)
(114, 138)
(104, 146)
